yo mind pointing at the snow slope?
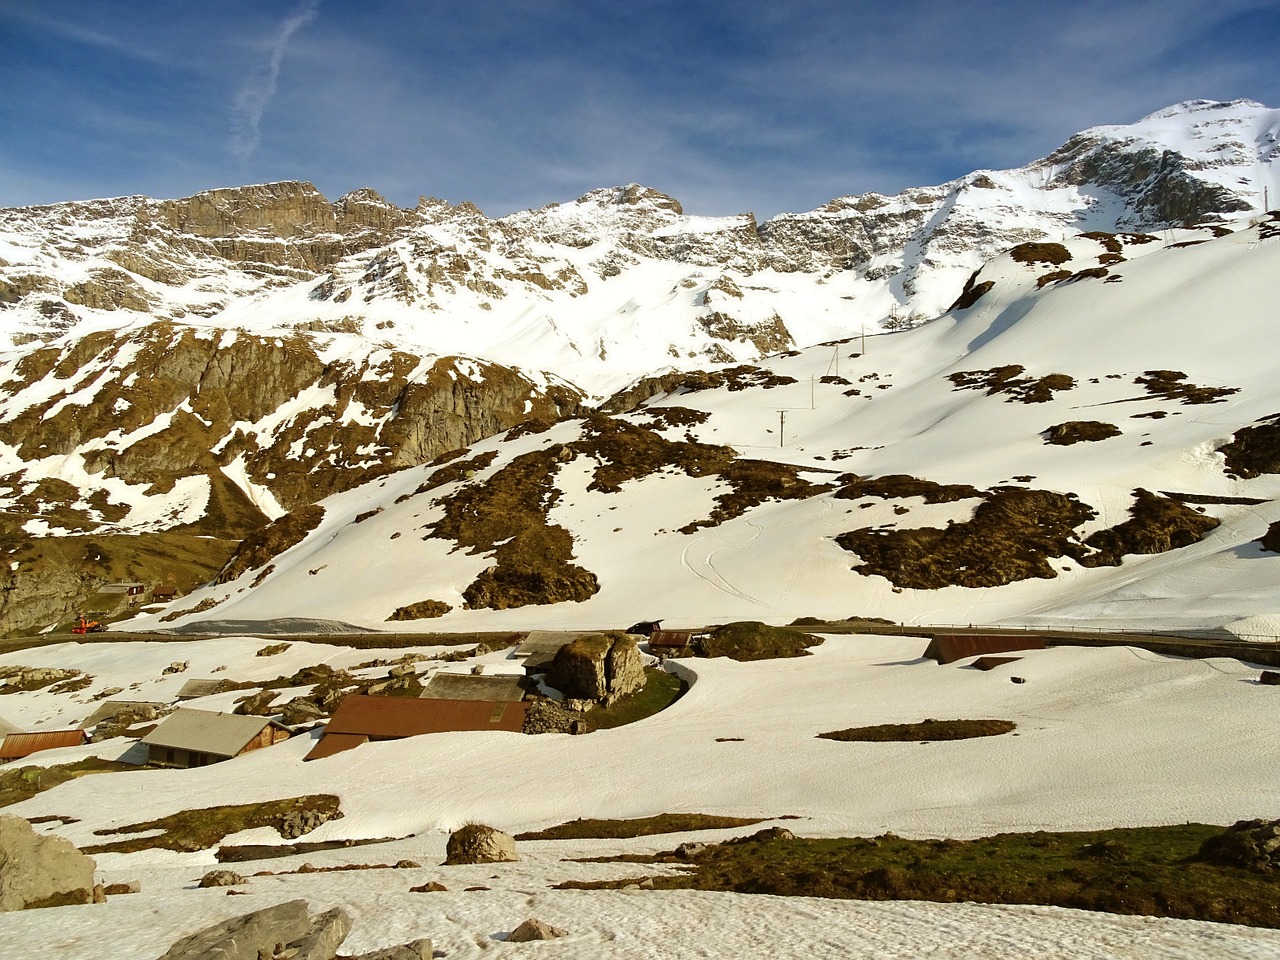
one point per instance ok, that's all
(1093, 749)
(1201, 308)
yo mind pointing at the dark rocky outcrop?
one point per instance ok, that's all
(601, 667)
(1252, 844)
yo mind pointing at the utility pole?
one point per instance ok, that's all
(782, 426)
(813, 403)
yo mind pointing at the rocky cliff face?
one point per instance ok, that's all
(164, 427)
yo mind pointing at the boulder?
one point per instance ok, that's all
(431, 886)
(301, 710)
(414, 950)
(600, 667)
(1252, 844)
(39, 871)
(533, 929)
(247, 936)
(221, 878)
(301, 822)
(325, 935)
(477, 843)
(256, 704)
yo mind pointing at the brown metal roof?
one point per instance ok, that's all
(19, 745)
(332, 743)
(394, 718)
(667, 639)
(949, 647)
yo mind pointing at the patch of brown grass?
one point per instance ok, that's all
(201, 829)
(1254, 450)
(926, 730)
(1051, 253)
(1013, 535)
(748, 640)
(268, 542)
(972, 292)
(1172, 385)
(899, 486)
(1156, 525)
(1080, 431)
(1008, 380)
(1152, 871)
(582, 829)
(422, 610)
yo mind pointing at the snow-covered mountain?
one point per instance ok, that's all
(1089, 436)
(176, 370)
(619, 283)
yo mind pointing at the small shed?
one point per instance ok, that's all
(670, 641)
(496, 688)
(361, 718)
(19, 745)
(950, 647)
(195, 738)
(645, 628)
(164, 594)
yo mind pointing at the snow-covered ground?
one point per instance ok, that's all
(1106, 737)
(1204, 310)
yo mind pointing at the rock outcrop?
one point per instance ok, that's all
(478, 843)
(38, 871)
(1252, 844)
(602, 667)
(534, 929)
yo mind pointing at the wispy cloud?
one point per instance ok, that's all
(253, 97)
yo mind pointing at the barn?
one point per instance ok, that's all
(360, 719)
(195, 738)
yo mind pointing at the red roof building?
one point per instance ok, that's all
(360, 719)
(19, 745)
(950, 647)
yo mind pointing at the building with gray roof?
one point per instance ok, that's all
(194, 738)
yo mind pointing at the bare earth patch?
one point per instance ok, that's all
(922, 731)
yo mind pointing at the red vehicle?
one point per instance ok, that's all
(88, 626)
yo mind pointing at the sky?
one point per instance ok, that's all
(728, 105)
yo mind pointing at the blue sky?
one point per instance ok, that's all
(728, 106)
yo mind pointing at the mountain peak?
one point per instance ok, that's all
(1187, 107)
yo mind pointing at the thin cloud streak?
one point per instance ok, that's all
(253, 98)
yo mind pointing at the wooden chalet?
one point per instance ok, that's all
(950, 647)
(360, 719)
(195, 738)
(19, 745)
